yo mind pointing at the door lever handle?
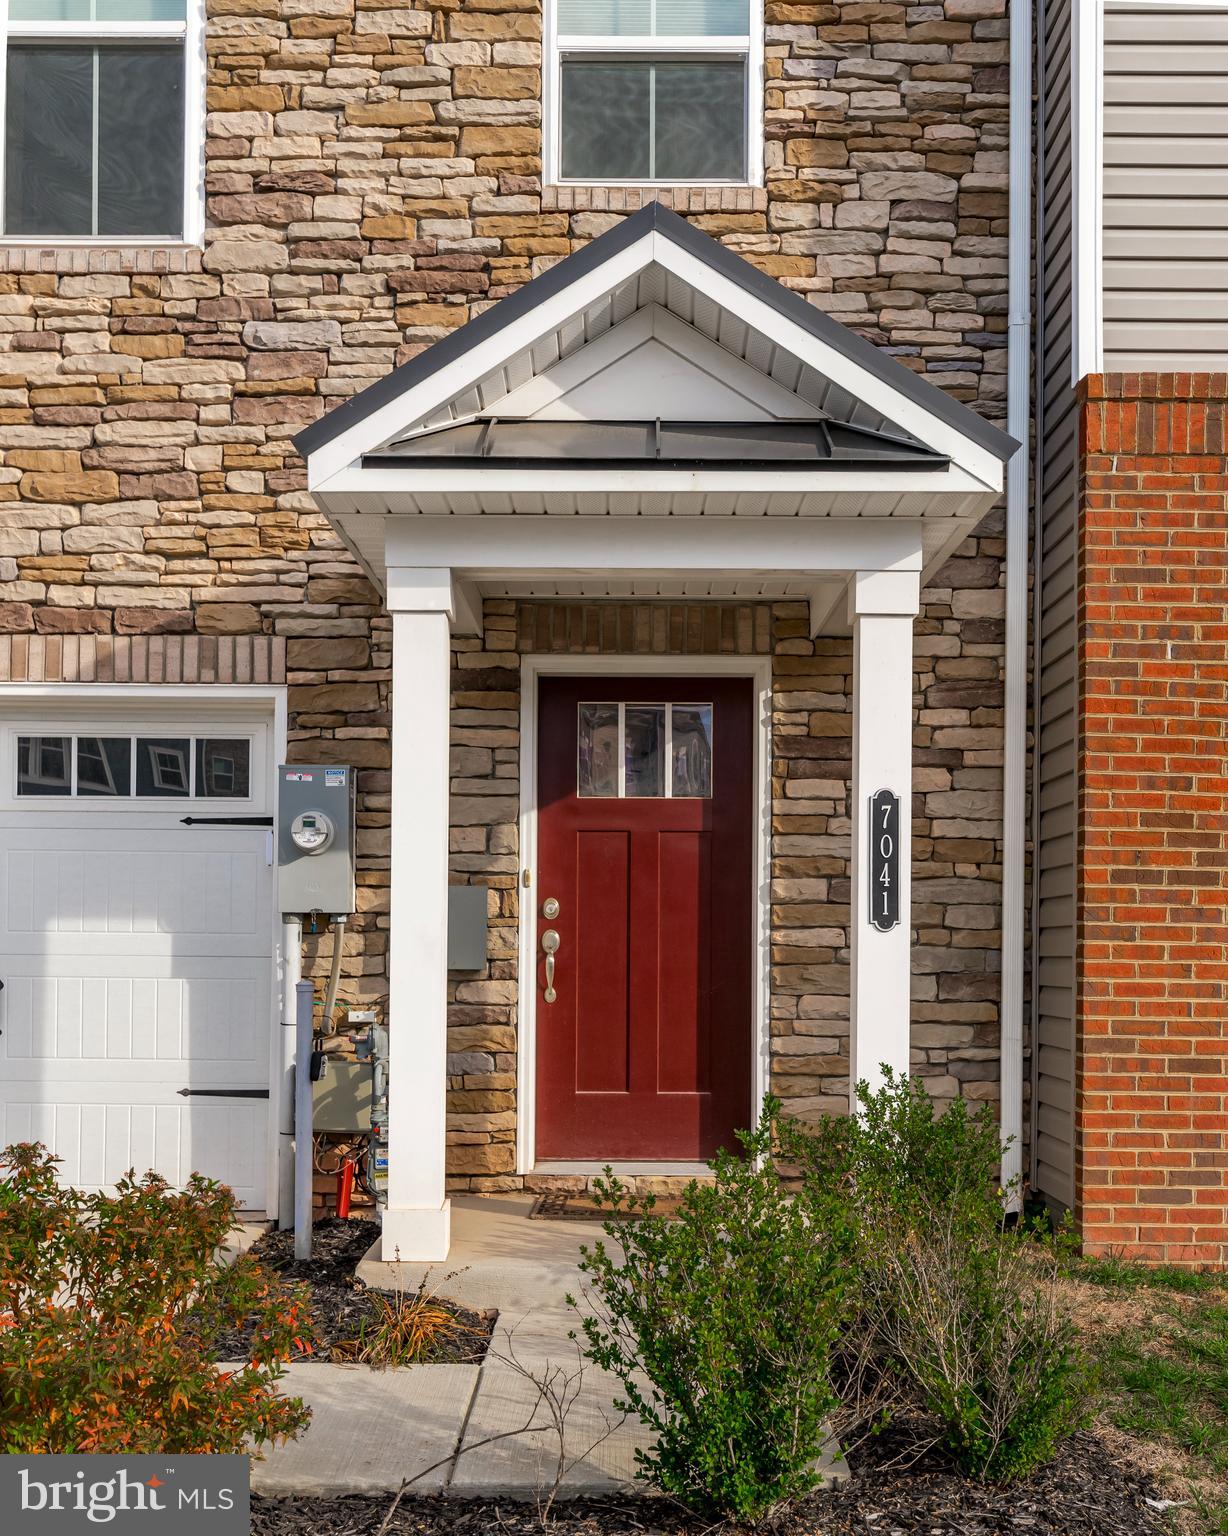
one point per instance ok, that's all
(550, 944)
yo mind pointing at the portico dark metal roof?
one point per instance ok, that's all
(655, 217)
(487, 442)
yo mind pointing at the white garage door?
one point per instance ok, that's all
(136, 951)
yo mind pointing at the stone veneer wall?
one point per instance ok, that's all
(373, 181)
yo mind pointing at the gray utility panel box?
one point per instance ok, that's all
(315, 838)
(466, 927)
(341, 1097)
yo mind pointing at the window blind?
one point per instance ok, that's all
(653, 18)
(97, 10)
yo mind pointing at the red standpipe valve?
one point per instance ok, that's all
(345, 1187)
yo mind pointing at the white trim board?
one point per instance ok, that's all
(533, 667)
(1087, 177)
(84, 701)
(500, 546)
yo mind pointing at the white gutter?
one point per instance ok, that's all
(1018, 396)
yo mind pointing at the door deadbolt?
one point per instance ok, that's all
(550, 908)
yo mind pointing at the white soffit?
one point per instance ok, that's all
(639, 370)
(666, 354)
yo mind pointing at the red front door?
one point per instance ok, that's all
(645, 839)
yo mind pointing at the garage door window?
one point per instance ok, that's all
(140, 767)
(104, 765)
(44, 765)
(222, 766)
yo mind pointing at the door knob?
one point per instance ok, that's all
(550, 944)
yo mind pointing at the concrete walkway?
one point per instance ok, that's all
(484, 1429)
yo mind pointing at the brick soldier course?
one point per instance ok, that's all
(373, 182)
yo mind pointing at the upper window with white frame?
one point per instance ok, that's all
(97, 94)
(651, 91)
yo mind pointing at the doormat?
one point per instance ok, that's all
(559, 1205)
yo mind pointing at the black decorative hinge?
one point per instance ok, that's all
(223, 1093)
(226, 821)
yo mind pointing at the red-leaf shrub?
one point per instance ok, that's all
(108, 1306)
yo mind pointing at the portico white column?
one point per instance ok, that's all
(416, 1217)
(882, 607)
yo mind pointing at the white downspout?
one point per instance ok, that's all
(1018, 410)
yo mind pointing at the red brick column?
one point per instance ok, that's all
(1152, 894)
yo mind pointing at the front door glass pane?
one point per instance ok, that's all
(691, 745)
(163, 766)
(104, 765)
(645, 750)
(598, 758)
(44, 765)
(664, 751)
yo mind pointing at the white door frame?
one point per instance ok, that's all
(269, 700)
(532, 668)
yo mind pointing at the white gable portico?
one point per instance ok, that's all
(651, 418)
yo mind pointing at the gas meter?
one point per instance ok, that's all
(315, 838)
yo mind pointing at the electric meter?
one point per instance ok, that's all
(311, 831)
(315, 838)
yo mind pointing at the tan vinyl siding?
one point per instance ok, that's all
(1165, 189)
(1053, 1047)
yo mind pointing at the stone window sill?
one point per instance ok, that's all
(21, 255)
(565, 197)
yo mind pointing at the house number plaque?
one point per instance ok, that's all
(884, 860)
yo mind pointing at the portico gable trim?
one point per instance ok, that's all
(559, 297)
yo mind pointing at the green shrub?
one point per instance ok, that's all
(108, 1306)
(719, 1325)
(956, 1330)
(970, 1325)
(900, 1158)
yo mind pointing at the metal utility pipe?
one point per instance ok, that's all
(334, 975)
(1014, 797)
(303, 1149)
(283, 1066)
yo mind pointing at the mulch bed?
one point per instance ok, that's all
(341, 1304)
(1084, 1492)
